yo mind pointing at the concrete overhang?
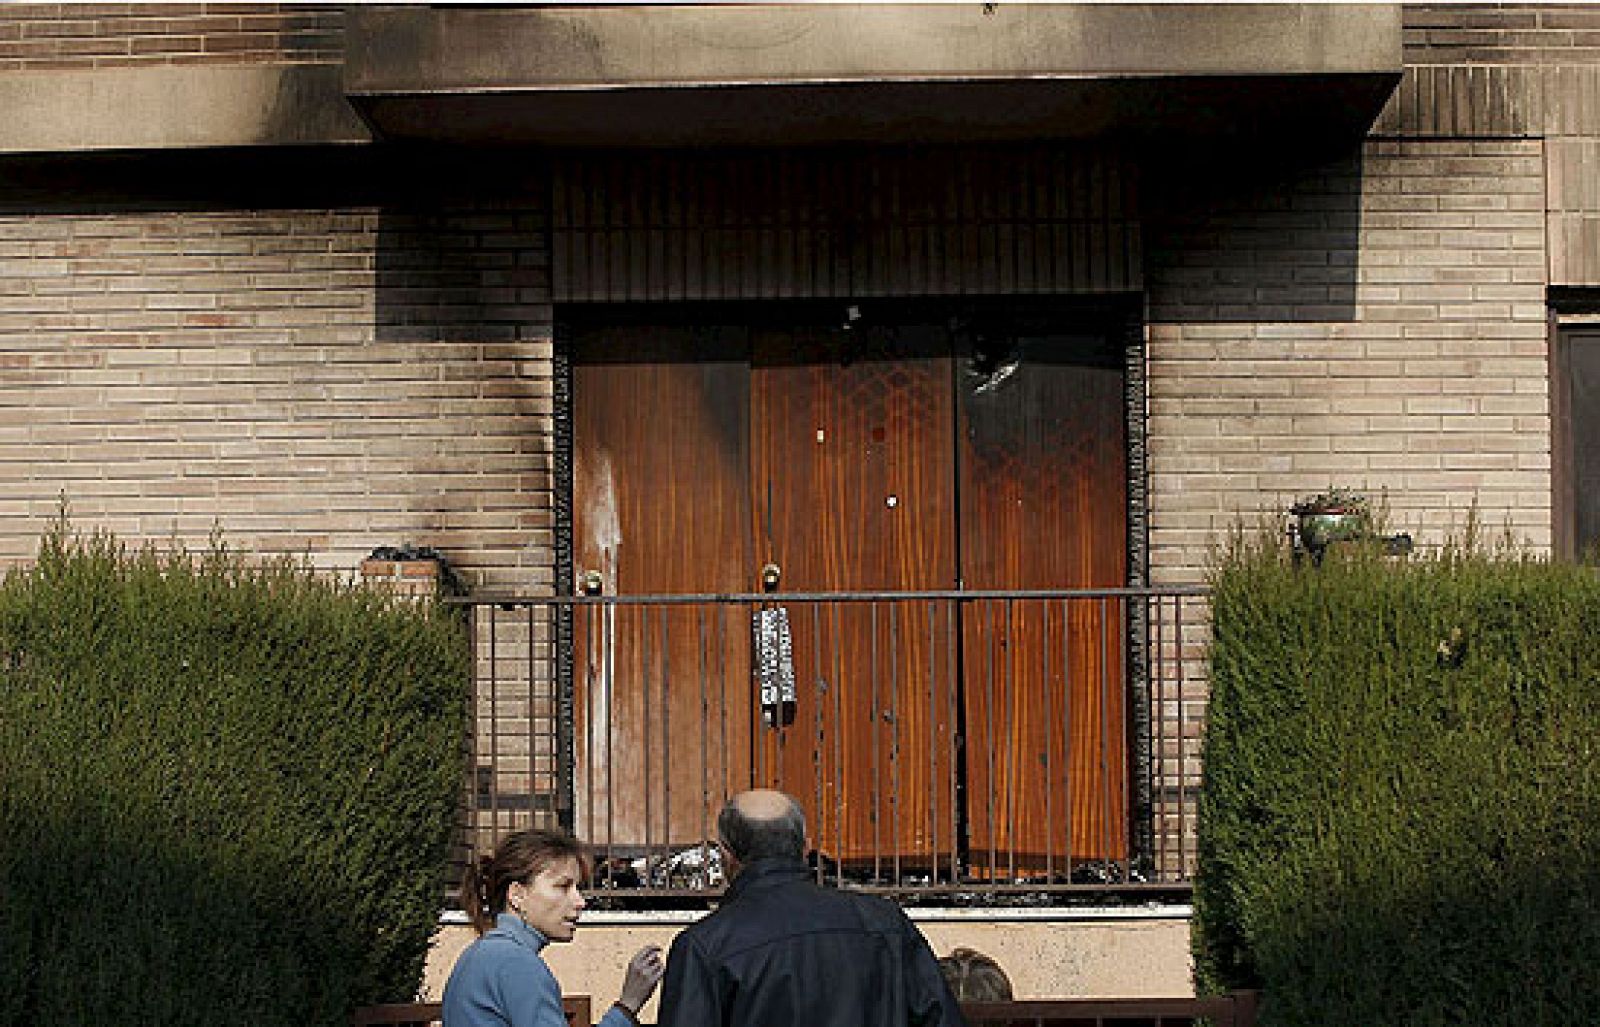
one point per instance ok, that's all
(762, 74)
(179, 107)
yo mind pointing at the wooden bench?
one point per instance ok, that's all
(1237, 1009)
(426, 1014)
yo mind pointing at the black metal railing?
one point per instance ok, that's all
(945, 744)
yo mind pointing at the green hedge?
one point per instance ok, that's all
(1401, 811)
(226, 791)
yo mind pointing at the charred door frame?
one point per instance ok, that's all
(1121, 313)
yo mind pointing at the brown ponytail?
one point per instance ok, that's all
(474, 898)
(518, 857)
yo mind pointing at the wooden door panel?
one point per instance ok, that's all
(661, 505)
(853, 454)
(869, 754)
(1043, 505)
(840, 455)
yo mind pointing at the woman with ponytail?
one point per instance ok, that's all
(521, 899)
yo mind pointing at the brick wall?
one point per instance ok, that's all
(323, 381)
(1517, 70)
(1500, 33)
(36, 37)
(1377, 323)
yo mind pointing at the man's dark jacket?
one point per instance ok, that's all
(782, 952)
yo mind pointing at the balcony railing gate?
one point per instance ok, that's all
(946, 745)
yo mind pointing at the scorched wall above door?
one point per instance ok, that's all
(758, 74)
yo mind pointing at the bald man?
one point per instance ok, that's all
(781, 951)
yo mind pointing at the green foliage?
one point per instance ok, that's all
(1335, 500)
(1399, 822)
(226, 792)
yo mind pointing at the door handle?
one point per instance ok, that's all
(771, 574)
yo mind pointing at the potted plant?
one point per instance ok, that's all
(1338, 515)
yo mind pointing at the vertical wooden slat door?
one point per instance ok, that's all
(853, 450)
(1043, 506)
(895, 457)
(661, 505)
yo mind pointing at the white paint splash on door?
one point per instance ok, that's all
(596, 489)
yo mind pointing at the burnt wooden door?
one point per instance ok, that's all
(877, 459)
(1043, 472)
(661, 505)
(699, 455)
(853, 436)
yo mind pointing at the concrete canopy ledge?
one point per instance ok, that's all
(131, 108)
(764, 73)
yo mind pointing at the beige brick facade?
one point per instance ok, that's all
(1377, 324)
(316, 382)
(46, 37)
(330, 381)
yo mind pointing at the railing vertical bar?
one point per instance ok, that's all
(474, 627)
(494, 729)
(1181, 729)
(843, 800)
(558, 759)
(561, 746)
(646, 667)
(1151, 699)
(1154, 697)
(1140, 805)
(589, 616)
(933, 748)
(1048, 713)
(704, 828)
(667, 765)
(877, 812)
(894, 714)
(533, 733)
(723, 660)
(1141, 802)
(819, 748)
(1068, 682)
(608, 683)
(1124, 806)
(1159, 731)
(1108, 842)
(990, 738)
(1015, 774)
(953, 625)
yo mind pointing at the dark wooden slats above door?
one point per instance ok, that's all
(821, 223)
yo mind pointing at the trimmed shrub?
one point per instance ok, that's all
(1402, 778)
(226, 791)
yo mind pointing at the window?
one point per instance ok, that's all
(1576, 439)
